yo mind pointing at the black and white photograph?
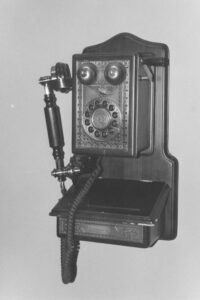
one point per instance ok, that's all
(99, 160)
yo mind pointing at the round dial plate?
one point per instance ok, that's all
(102, 119)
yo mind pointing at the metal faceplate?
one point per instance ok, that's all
(102, 110)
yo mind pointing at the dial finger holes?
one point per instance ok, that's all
(102, 119)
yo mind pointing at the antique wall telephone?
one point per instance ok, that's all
(124, 181)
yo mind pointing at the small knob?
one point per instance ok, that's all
(114, 123)
(114, 114)
(87, 73)
(111, 107)
(115, 73)
(87, 122)
(90, 129)
(97, 133)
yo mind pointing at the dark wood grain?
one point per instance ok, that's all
(159, 165)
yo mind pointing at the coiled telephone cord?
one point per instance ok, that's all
(70, 245)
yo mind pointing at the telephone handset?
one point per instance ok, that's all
(125, 182)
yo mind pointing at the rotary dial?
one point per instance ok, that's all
(102, 119)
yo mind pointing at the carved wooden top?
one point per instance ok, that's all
(130, 44)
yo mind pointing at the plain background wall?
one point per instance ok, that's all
(34, 35)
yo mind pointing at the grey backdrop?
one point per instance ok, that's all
(33, 36)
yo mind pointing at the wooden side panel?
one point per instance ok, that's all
(159, 165)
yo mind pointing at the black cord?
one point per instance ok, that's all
(70, 245)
